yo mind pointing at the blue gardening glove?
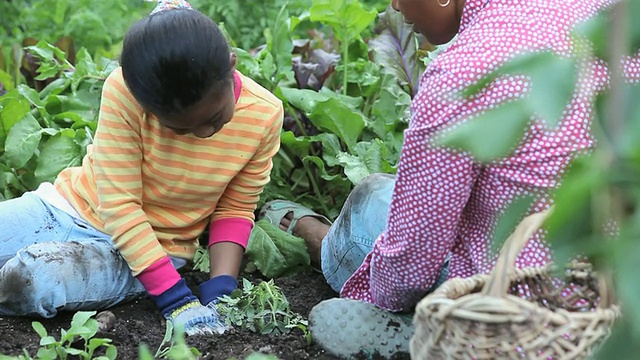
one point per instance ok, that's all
(217, 287)
(179, 306)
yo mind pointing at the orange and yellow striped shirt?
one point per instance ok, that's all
(155, 191)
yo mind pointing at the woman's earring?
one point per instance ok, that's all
(445, 4)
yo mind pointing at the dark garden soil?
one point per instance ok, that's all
(139, 322)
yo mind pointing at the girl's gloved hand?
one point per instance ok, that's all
(215, 288)
(197, 319)
(184, 310)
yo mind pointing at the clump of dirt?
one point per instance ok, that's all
(138, 322)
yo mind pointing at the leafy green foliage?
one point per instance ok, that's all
(261, 308)
(491, 135)
(43, 133)
(276, 253)
(201, 260)
(97, 26)
(244, 20)
(83, 328)
(549, 94)
(336, 132)
(347, 18)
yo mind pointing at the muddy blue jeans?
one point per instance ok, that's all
(362, 219)
(51, 261)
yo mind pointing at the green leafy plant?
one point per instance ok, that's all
(98, 27)
(42, 133)
(245, 20)
(261, 308)
(84, 328)
(347, 18)
(399, 50)
(201, 260)
(336, 133)
(276, 253)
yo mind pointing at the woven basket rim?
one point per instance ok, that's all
(442, 297)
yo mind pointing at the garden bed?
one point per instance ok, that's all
(139, 322)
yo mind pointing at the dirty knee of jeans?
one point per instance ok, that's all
(368, 186)
(15, 287)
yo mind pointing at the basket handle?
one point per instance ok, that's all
(498, 283)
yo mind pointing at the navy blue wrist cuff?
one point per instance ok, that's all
(216, 287)
(176, 296)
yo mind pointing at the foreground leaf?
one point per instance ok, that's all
(549, 94)
(492, 135)
(509, 219)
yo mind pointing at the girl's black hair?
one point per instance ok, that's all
(171, 59)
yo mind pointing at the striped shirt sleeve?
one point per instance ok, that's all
(240, 198)
(117, 163)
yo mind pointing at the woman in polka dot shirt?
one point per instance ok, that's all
(398, 238)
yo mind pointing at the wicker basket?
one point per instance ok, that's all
(481, 318)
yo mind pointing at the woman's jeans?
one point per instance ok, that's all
(51, 261)
(362, 219)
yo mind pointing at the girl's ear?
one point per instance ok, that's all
(233, 59)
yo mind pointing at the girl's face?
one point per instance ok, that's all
(439, 24)
(207, 116)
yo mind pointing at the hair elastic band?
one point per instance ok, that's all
(169, 5)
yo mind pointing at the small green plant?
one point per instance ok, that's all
(173, 347)
(201, 261)
(261, 308)
(83, 327)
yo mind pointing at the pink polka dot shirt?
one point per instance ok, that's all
(447, 204)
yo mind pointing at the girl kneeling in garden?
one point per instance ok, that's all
(183, 141)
